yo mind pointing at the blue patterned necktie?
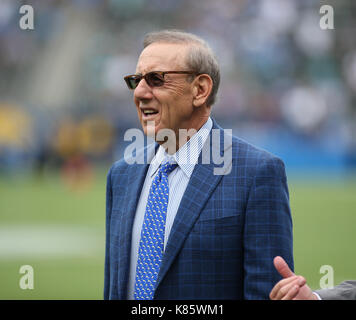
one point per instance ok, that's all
(152, 235)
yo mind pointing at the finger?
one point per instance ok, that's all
(305, 293)
(302, 281)
(283, 292)
(282, 267)
(280, 285)
(292, 293)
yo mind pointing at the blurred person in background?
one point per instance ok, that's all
(176, 230)
(16, 130)
(294, 287)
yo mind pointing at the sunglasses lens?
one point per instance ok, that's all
(132, 81)
(154, 79)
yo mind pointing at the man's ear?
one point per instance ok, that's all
(202, 86)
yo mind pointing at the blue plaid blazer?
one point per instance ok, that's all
(226, 233)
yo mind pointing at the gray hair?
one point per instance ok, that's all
(200, 57)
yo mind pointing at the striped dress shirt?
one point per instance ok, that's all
(186, 158)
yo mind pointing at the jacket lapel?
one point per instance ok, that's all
(201, 185)
(136, 177)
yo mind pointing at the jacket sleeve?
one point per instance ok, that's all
(344, 291)
(267, 229)
(107, 248)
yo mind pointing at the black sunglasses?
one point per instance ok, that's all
(153, 78)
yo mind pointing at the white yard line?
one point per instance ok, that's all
(49, 241)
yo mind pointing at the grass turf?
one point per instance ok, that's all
(324, 218)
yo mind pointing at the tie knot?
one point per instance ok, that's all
(167, 167)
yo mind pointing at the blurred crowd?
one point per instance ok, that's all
(287, 85)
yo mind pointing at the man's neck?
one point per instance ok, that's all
(182, 137)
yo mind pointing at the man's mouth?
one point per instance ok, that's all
(149, 113)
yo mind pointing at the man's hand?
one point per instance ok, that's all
(292, 287)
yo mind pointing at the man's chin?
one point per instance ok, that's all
(150, 126)
(150, 129)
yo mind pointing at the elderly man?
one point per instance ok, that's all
(178, 229)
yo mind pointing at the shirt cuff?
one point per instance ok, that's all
(317, 296)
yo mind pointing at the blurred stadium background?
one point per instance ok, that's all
(287, 86)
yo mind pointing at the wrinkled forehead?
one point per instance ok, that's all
(162, 57)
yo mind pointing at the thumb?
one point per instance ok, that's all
(282, 267)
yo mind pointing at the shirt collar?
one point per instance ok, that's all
(187, 156)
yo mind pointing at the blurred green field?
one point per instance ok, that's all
(60, 233)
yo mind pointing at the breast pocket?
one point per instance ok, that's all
(216, 240)
(218, 226)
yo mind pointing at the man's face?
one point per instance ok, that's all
(172, 102)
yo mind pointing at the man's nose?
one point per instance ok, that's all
(143, 91)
